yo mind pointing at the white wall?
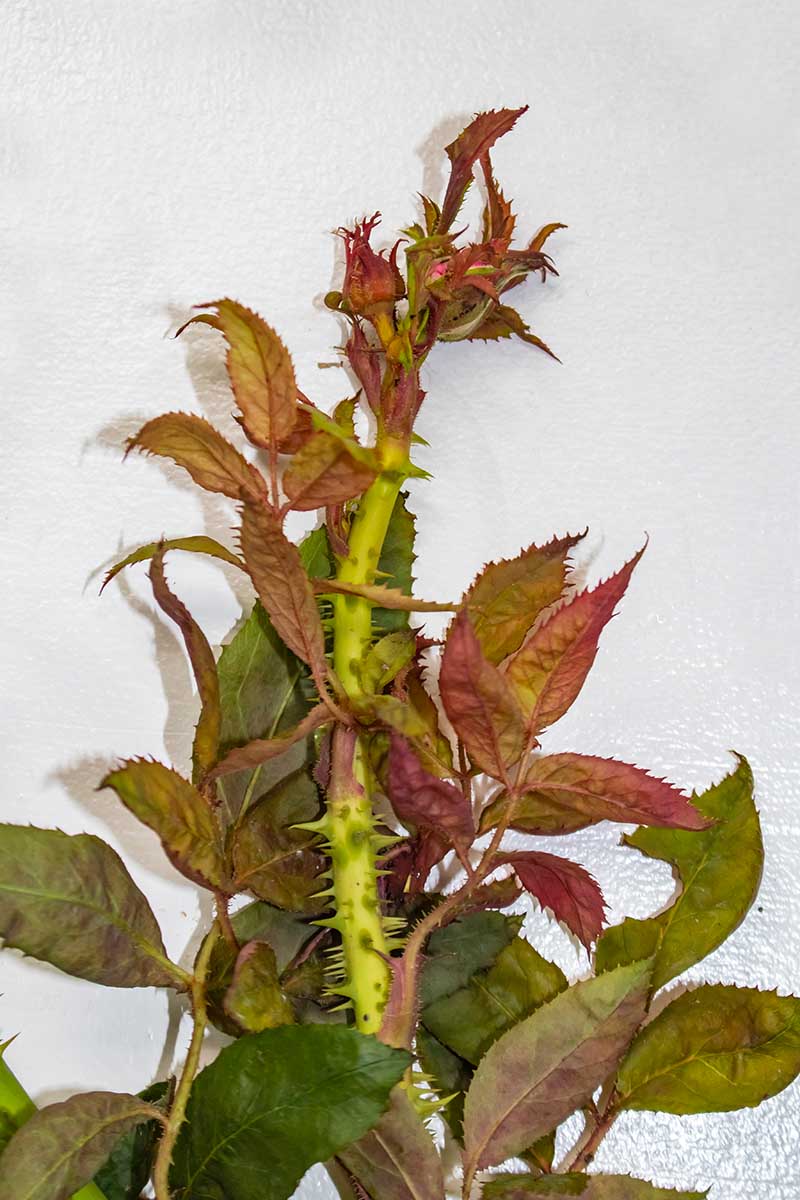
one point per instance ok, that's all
(159, 154)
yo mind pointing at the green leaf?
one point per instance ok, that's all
(396, 564)
(262, 695)
(465, 946)
(8, 1127)
(71, 902)
(254, 1000)
(285, 932)
(274, 1103)
(273, 860)
(508, 596)
(719, 869)
(475, 1016)
(589, 1187)
(714, 1049)
(548, 1065)
(63, 1146)
(315, 552)
(386, 658)
(198, 544)
(449, 1076)
(397, 1160)
(517, 1187)
(180, 815)
(127, 1170)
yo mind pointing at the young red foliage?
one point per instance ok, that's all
(566, 888)
(425, 803)
(548, 672)
(480, 703)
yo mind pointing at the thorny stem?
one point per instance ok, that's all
(224, 919)
(349, 823)
(584, 1155)
(177, 1112)
(358, 919)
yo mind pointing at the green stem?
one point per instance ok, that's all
(352, 614)
(15, 1101)
(349, 823)
(350, 827)
(177, 1112)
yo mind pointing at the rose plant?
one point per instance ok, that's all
(373, 1019)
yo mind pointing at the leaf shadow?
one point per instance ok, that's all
(429, 151)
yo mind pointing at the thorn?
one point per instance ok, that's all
(330, 923)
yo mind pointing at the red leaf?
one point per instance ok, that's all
(471, 144)
(323, 473)
(501, 322)
(479, 702)
(422, 801)
(565, 792)
(508, 596)
(302, 431)
(549, 671)
(365, 361)
(498, 219)
(283, 587)
(564, 887)
(260, 371)
(204, 667)
(200, 449)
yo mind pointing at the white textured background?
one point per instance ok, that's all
(163, 153)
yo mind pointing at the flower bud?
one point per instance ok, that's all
(372, 282)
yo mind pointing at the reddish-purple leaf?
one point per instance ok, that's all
(472, 144)
(397, 1160)
(283, 587)
(204, 667)
(566, 888)
(549, 671)
(422, 801)
(260, 371)
(365, 361)
(508, 596)
(501, 322)
(498, 219)
(195, 445)
(323, 472)
(565, 792)
(413, 862)
(479, 702)
(497, 893)
(548, 1065)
